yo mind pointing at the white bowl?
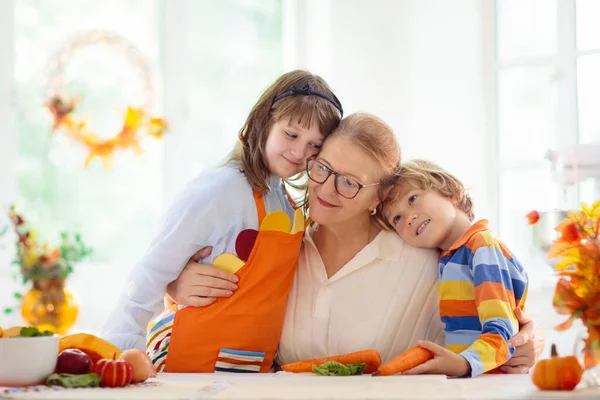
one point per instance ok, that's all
(27, 361)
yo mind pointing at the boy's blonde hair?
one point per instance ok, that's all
(425, 175)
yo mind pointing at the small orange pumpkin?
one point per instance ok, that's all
(557, 373)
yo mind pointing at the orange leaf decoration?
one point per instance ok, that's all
(566, 300)
(157, 127)
(578, 290)
(533, 217)
(563, 326)
(54, 255)
(559, 249)
(570, 233)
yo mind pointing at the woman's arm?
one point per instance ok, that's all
(528, 343)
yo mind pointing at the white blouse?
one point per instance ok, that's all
(212, 210)
(385, 299)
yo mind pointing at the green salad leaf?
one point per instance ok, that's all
(70, 380)
(31, 331)
(334, 368)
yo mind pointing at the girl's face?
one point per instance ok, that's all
(289, 145)
(354, 168)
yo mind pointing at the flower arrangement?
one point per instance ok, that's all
(39, 261)
(577, 292)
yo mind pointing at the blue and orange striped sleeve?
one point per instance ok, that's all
(500, 285)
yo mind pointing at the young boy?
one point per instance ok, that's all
(480, 281)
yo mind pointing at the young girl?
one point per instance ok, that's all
(242, 211)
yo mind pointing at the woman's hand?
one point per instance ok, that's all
(200, 284)
(528, 343)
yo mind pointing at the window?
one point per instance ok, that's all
(232, 50)
(548, 80)
(210, 60)
(110, 207)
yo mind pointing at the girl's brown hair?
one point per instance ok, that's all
(377, 139)
(305, 109)
(425, 175)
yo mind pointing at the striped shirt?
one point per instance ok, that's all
(480, 284)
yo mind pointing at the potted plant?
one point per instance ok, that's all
(48, 304)
(577, 294)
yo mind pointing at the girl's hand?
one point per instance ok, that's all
(200, 284)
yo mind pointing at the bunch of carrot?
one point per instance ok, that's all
(409, 359)
(369, 357)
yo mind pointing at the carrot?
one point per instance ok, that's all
(369, 357)
(409, 359)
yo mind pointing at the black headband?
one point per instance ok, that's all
(306, 90)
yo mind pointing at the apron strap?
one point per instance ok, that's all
(260, 206)
(292, 202)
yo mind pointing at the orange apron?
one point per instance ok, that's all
(240, 333)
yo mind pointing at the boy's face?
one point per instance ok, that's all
(422, 218)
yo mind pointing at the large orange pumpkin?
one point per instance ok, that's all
(91, 345)
(557, 373)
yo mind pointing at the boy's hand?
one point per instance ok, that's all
(444, 362)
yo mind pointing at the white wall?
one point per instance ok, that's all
(423, 66)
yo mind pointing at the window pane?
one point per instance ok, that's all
(109, 207)
(588, 97)
(526, 112)
(589, 191)
(588, 29)
(235, 50)
(522, 191)
(526, 28)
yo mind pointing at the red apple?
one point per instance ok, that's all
(73, 361)
(114, 373)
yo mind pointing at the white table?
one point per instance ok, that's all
(288, 386)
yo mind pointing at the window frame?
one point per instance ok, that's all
(567, 120)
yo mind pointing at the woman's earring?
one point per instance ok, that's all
(374, 211)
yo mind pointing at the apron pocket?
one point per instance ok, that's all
(239, 361)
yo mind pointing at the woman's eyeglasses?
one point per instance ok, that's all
(346, 187)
